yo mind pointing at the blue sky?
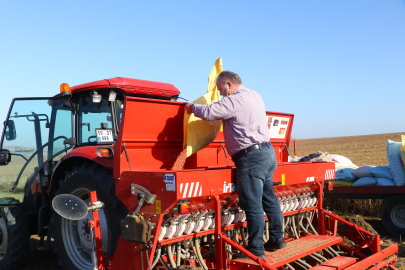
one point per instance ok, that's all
(339, 66)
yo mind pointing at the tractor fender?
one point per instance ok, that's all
(78, 155)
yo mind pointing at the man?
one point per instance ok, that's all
(247, 141)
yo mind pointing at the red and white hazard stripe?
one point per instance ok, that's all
(329, 174)
(195, 188)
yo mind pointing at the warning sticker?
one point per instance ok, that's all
(170, 181)
(278, 127)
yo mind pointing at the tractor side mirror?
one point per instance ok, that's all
(5, 157)
(11, 133)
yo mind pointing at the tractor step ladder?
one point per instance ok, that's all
(296, 249)
(337, 263)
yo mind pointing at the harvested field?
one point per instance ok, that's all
(362, 150)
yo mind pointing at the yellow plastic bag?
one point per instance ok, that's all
(402, 150)
(199, 133)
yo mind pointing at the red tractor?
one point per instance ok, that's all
(120, 137)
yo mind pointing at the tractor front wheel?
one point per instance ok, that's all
(73, 237)
(14, 237)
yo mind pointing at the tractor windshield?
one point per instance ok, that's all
(95, 115)
(33, 139)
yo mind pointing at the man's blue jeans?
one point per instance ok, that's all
(254, 174)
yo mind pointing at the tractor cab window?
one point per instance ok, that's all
(93, 116)
(33, 137)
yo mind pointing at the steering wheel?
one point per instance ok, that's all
(92, 137)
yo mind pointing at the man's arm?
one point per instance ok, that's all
(189, 107)
(220, 110)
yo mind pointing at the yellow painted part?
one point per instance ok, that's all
(158, 207)
(283, 179)
(341, 183)
(199, 133)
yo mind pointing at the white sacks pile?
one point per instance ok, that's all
(348, 174)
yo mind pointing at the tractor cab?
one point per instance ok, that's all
(38, 132)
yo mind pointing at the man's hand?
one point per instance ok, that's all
(189, 107)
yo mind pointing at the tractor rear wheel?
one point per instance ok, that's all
(14, 237)
(73, 237)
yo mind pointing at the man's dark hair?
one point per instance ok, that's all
(231, 76)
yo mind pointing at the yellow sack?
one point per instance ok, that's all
(199, 133)
(341, 183)
(402, 150)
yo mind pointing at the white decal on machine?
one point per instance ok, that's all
(170, 181)
(191, 189)
(329, 174)
(229, 187)
(311, 179)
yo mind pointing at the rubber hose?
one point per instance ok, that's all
(333, 251)
(312, 227)
(320, 256)
(290, 267)
(178, 254)
(300, 265)
(330, 253)
(157, 256)
(305, 264)
(308, 215)
(242, 234)
(163, 263)
(286, 221)
(196, 249)
(315, 258)
(294, 228)
(210, 241)
(235, 235)
(205, 254)
(283, 225)
(228, 247)
(303, 228)
(170, 255)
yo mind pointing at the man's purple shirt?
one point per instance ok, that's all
(244, 118)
